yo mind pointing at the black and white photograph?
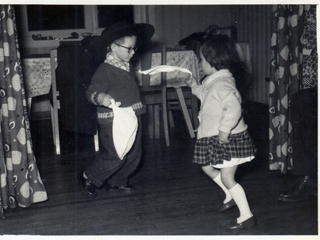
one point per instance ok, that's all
(129, 120)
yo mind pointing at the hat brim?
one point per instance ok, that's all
(143, 31)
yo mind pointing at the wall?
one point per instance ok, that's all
(253, 22)
(175, 22)
(254, 26)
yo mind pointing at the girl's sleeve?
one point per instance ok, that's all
(196, 90)
(231, 107)
(99, 84)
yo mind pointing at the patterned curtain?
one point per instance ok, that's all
(21, 184)
(293, 67)
(309, 49)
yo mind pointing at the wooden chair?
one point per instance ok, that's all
(191, 104)
(155, 96)
(52, 100)
(48, 101)
(55, 101)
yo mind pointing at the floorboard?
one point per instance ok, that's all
(173, 196)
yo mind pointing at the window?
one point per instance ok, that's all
(45, 17)
(42, 27)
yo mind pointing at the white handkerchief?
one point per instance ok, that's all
(124, 129)
(164, 68)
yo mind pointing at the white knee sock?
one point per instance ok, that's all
(218, 181)
(239, 196)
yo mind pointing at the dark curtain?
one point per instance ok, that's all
(21, 183)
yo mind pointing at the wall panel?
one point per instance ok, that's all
(254, 27)
(175, 22)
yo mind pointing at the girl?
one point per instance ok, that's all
(222, 141)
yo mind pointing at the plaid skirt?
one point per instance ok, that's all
(209, 150)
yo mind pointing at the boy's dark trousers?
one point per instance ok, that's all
(108, 166)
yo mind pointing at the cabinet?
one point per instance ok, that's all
(77, 61)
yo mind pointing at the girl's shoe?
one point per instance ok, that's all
(227, 206)
(249, 223)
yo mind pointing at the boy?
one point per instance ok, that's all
(115, 79)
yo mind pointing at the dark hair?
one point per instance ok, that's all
(220, 52)
(211, 31)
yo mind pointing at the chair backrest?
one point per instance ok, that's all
(55, 93)
(146, 63)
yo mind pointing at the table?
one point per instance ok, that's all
(177, 79)
(37, 75)
(181, 58)
(185, 59)
(38, 81)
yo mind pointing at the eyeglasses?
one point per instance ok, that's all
(130, 49)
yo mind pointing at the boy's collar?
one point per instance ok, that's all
(115, 62)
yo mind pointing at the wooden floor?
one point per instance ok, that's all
(173, 196)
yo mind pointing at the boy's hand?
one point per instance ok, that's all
(223, 137)
(117, 104)
(105, 100)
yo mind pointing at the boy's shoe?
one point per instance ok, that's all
(87, 186)
(127, 189)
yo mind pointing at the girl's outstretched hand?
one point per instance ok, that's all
(223, 137)
(191, 81)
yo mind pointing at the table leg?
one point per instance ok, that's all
(195, 109)
(185, 112)
(29, 103)
(96, 141)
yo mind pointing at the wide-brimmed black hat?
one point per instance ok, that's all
(143, 31)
